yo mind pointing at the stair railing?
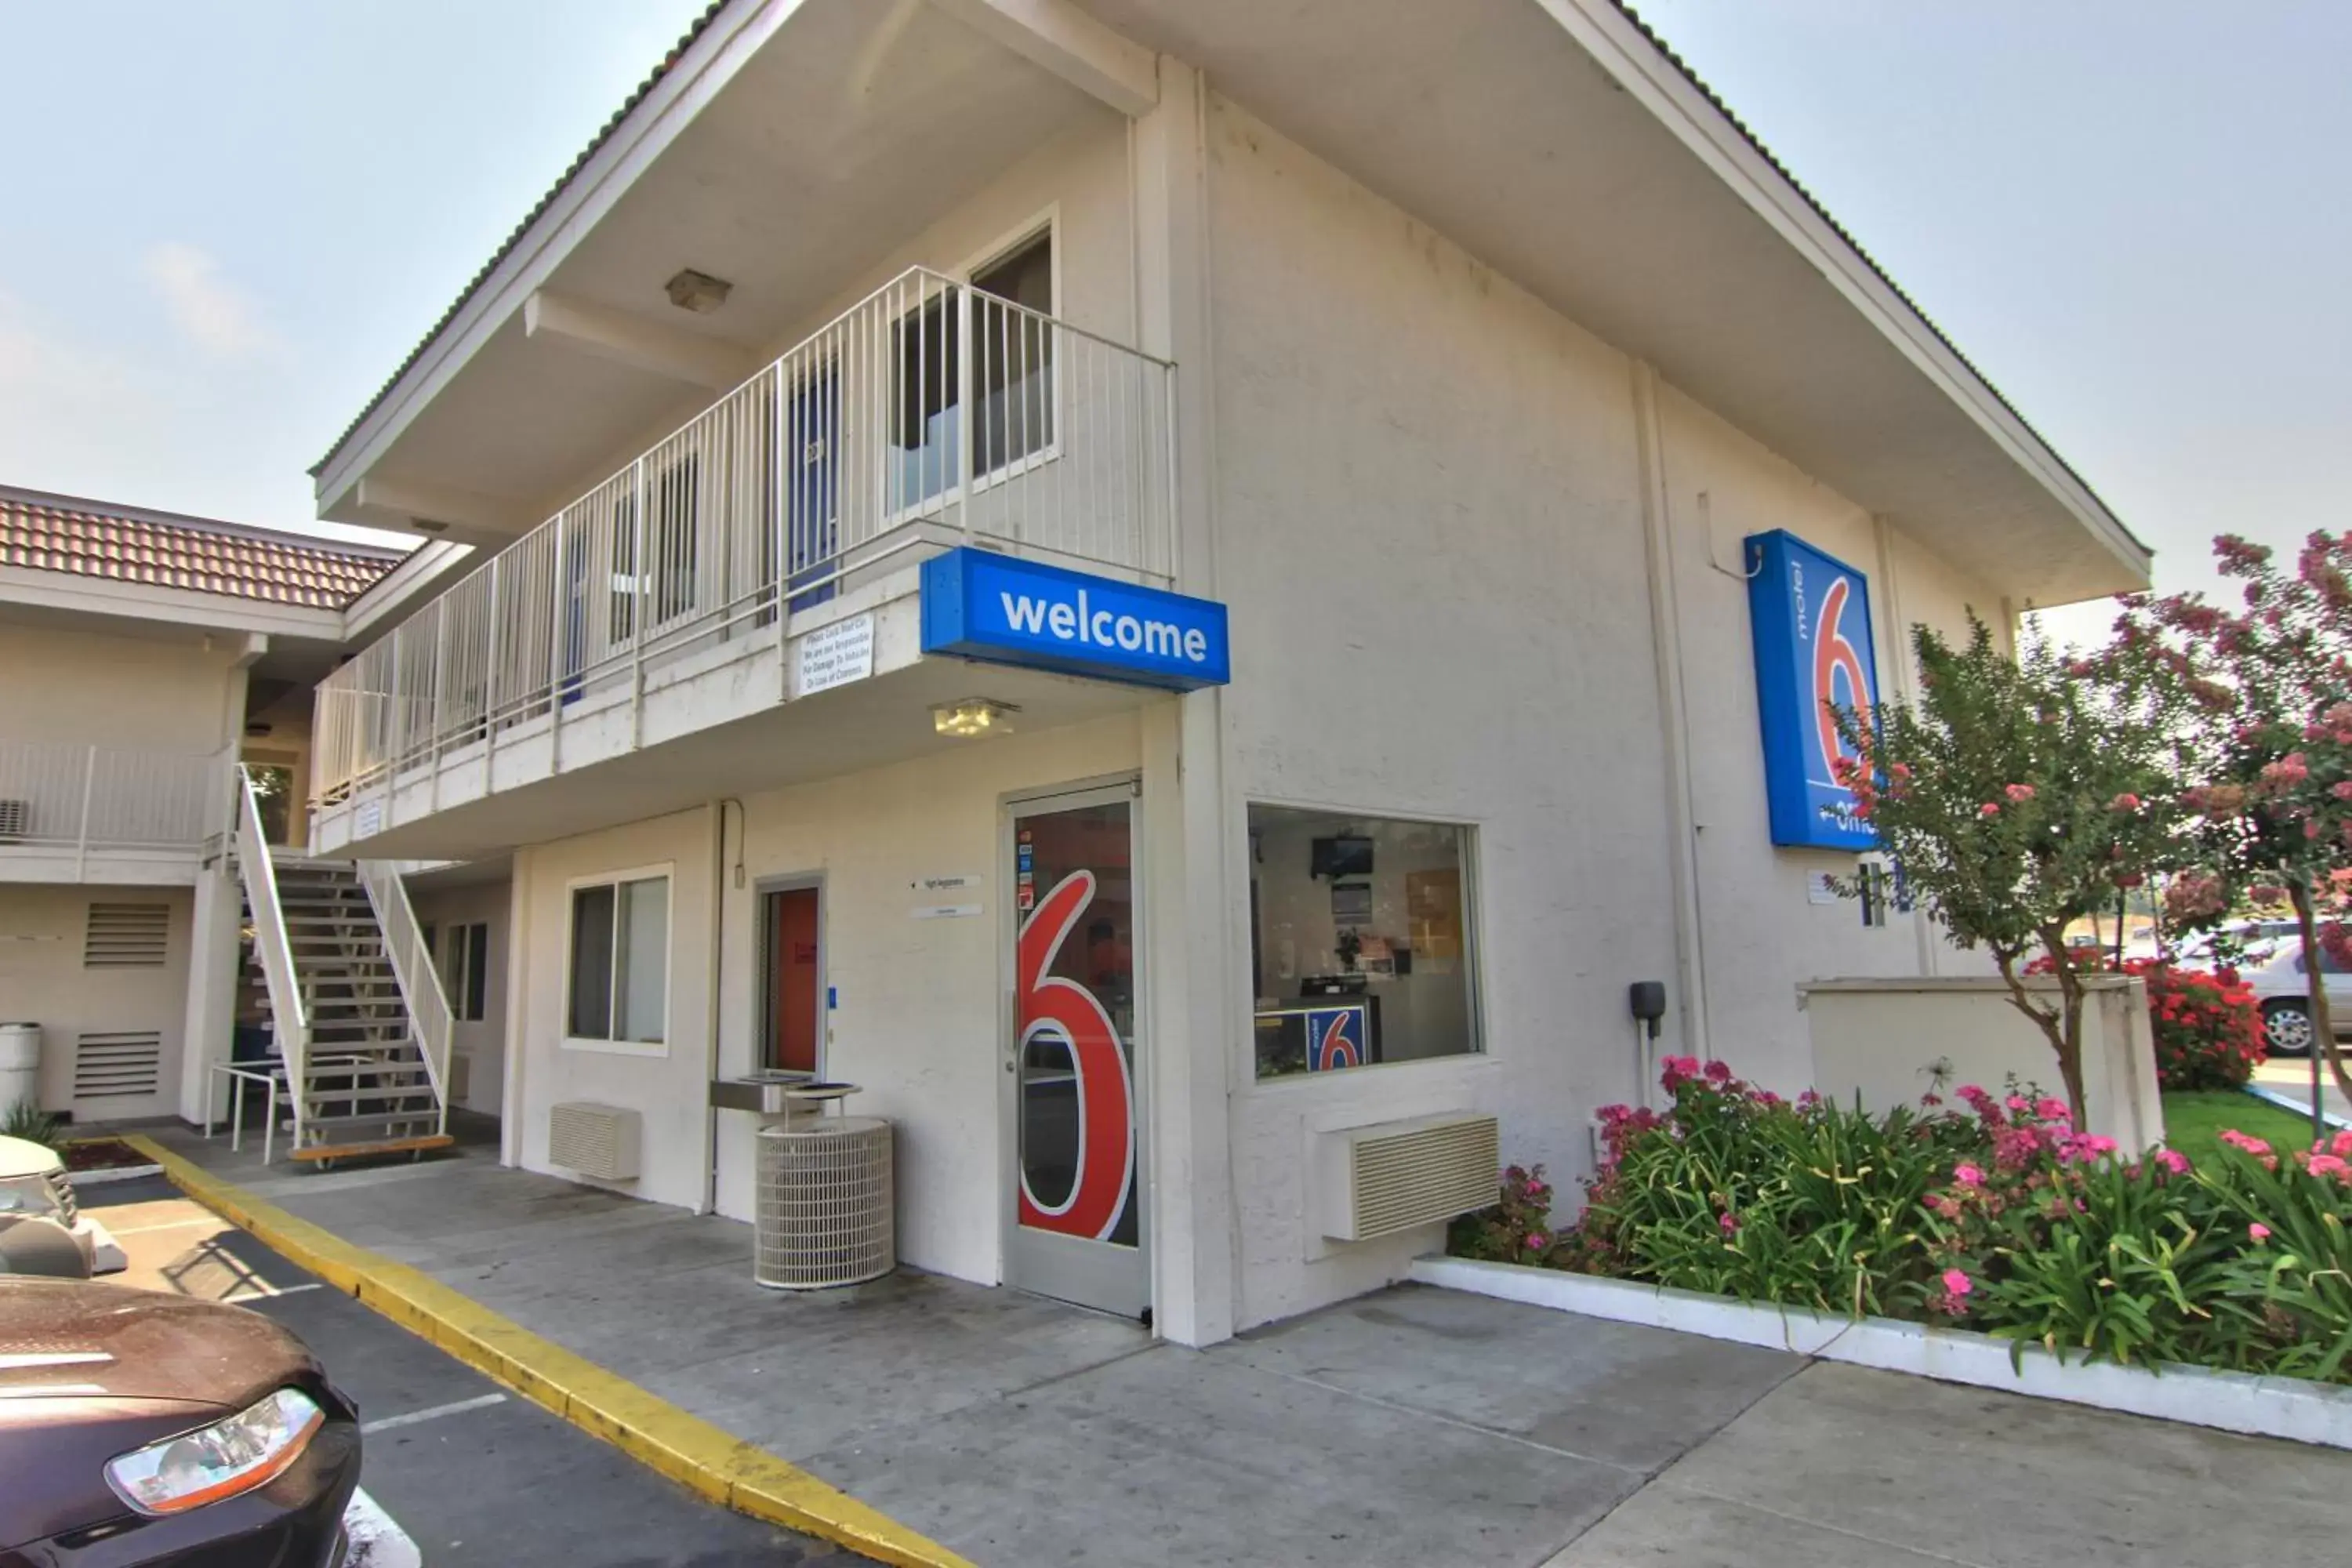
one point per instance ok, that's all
(429, 1013)
(289, 1015)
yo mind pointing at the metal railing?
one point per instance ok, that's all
(61, 796)
(289, 1018)
(430, 1018)
(925, 415)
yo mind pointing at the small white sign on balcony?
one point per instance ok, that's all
(367, 821)
(836, 655)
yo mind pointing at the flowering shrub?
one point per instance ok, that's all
(2003, 1218)
(1517, 1229)
(2208, 1025)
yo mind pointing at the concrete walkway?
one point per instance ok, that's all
(1413, 1427)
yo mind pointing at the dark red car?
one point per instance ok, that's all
(139, 1428)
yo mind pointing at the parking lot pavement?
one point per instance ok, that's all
(471, 1473)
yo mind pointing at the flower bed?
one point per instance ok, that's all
(2002, 1219)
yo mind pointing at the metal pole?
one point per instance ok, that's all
(965, 467)
(82, 839)
(641, 570)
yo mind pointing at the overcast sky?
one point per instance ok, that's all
(230, 221)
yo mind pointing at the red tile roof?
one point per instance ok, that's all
(89, 539)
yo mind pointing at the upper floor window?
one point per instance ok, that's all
(1011, 375)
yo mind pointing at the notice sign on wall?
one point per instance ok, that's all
(1810, 616)
(836, 655)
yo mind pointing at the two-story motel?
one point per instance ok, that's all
(1158, 583)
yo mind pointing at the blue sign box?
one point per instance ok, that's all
(980, 604)
(1335, 1037)
(1810, 616)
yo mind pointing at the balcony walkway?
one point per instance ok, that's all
(1416, 1426)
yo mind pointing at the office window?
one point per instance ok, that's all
(1362, 946)
(464, 970)
(620, 961)
(1011, 375)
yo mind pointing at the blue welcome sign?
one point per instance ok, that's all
(980, 604)
(1810, 616)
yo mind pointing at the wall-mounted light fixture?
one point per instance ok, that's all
(973, 717)
(698, 291)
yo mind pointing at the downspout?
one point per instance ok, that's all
(718, 971)
(1907, 689)
(1673, 720)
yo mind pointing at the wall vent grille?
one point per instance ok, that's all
(599, 1140)
(118, 1066)
(126, 936)
(1393, 1175)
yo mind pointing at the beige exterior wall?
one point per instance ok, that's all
(1432, 536)
(482, 1043)
(43, 981)
(91, 689)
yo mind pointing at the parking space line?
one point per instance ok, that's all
(264, 1291)
(213, 1220)
(432, 1413)
(376, 1541)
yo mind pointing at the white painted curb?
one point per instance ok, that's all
(2286, 1407)
(111, 1174)
(376, 1541)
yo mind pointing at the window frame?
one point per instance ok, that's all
(460, 976)
(1483, 1056)
(1046, 225)
(664, 871)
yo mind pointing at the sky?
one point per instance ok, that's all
(2131, 214)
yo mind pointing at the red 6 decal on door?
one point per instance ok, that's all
(1051, 1006)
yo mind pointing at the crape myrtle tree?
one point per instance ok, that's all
(2268, 781)
(2018, 797)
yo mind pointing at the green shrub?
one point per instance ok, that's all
(1517, 1229)
(27, 1120)
(2005, 1220)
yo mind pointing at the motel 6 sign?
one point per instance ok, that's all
(1810, 616)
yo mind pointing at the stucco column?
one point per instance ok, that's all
(207, 1031)
(1191, 843)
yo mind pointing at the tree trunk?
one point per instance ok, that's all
(2063, 1028)
(2315, 971)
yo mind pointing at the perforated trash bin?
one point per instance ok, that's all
(20, 1064)
(826, 1203)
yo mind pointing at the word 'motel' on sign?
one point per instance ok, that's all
(980, 604)
(1810, 616)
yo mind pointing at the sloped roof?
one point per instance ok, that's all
(91, 539)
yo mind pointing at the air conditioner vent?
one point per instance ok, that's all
(15, 820)
(118, 1066)
(1393, 1175)
(126, 936)
(599, 1140)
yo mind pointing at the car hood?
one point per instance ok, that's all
(68, 1338)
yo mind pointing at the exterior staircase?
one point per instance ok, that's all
(353, 1004)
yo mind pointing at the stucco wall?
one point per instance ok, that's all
(483, 1043)
(137, 693)
(43, 981)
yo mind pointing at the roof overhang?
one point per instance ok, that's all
(1556, 140)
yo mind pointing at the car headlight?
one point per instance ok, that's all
(28, 1195)
(248, 1450)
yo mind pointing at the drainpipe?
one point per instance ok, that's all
(1907, 689)
(718, 971)
(1673, 720)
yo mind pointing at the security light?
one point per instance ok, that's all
(973, 717)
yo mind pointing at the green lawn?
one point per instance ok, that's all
(2194, 1120)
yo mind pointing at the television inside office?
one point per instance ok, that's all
(1361, 943)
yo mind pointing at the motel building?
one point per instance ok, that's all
(1187, 594)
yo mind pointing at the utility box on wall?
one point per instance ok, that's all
(1886, 1039)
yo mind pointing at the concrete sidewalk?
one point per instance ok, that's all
(1413, 1427)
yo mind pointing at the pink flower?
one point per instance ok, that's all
(1676, 1071)
(1968, 1175)
(2019, 793)
(2329, 1165)
(1729, 1222)
(2125, 801)
(2258, 1231)
(1958, 1284)
(2016, 1103)
(2237, 1140)
(2341, 789)
(2173, 1161)
(2050, 1109)
(1988, 809)
(1537, 1241)
(1719, 1072)
(1899, 770)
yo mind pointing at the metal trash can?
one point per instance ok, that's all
(20, 1065)
(827, 1207)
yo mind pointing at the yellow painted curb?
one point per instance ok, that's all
(706, 1458)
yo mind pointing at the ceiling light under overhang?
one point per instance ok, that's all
(698, 291)
(973, 718)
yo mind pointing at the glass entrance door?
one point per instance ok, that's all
(1070, 1062)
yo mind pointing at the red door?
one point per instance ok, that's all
(795, 1007)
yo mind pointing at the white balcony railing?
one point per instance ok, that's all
(924, 415)
(99, 799)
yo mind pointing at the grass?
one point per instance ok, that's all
(2194, 1120)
